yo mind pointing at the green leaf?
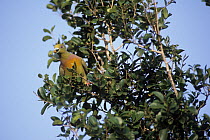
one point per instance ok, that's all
(75, 117)
(53, 91)
(116, 121)
(50, 53)
(140, 52)
(120, 121)
(95, 20)
(139, 115)
(44, 108)
(165, 13)
(40, 75)
(64, 37)
(163, 134)
(45, 38)
(155, 105)
(84, 50)
(76, 40)
(49, 62)
(159, 95)
(92, 121)
(46, 31)
(88, 12)
(193, 110)
(54, 77)
(121, 2)
(122, 82)
(165, 1)
(146, 37)
(50, 6)
(179, 51)
(41, 92)
(52, 29)
(57, 123)
(54, 118)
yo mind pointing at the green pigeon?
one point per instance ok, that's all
(68, 60)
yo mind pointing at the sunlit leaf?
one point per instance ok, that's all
(50, 53)
(75, 117)
(44, 108)
(45, 38)
(54, 77)
(165, 13)
(52, 29)
(46, 31)
(49, 62)
(50, 6)
(57, 123)
(54, 118)
(41, 92)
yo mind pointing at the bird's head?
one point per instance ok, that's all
(59, 48)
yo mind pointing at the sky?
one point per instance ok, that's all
(24, 55)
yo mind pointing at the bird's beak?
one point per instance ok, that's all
(56, 50)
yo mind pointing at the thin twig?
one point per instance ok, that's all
(119, 47)
(74, 130)
(98, 59)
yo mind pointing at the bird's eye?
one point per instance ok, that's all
(61, 46)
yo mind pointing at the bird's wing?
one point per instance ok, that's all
(61, 71)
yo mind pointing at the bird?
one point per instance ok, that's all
(69, 61)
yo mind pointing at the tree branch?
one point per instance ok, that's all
(207, 96)
(97, 58)
(106, 47)
(168, 70)
(110, 38)
(143, 47)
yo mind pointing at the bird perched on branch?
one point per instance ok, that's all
(69, 61)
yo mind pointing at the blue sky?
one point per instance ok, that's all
(24, 55)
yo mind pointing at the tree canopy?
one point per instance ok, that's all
(140, 85)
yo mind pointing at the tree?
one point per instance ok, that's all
(139, 82)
